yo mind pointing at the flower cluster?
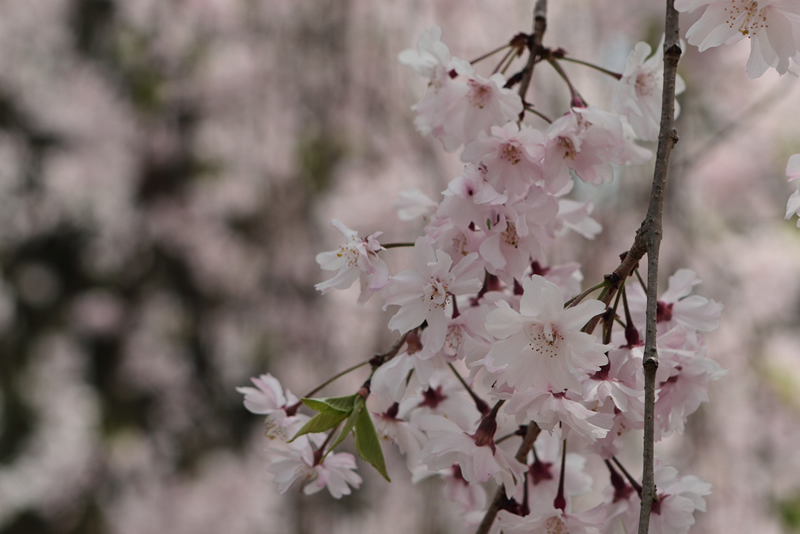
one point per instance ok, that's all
(495, 344)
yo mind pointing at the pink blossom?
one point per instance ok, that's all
(425, 292)
(542, 345)
(677, 306)
(469, 497)
(588, 141)
(475, 106)
(773, 27)
(391, 426)
(638, 93)
(518, 232)
(678, 498)
(356, 259)
(335, 471)
(683, 392)
(513, 157)
(433, 57)
(793, 172)
(268, 398)
(469, 198)
(576, 216)
(545, 518)
(548, 408)
(450, 444)
(413, 204)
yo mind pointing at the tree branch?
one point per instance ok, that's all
(539, 27)
(651, 232)
(648, 240)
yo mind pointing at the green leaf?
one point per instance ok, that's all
(368, 444)
(332, 405)
(320, 423)
(351, 421)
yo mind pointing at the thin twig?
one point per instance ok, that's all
(480, 404)
(574, 301)
(334, 377)
(611, 73)
(573, 93)
(490, 54)
(539, 114)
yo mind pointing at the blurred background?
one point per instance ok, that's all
(169, 169)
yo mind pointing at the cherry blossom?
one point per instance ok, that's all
(335, 471)
(469, 198)
(548, 408)
(638, 93)
(477, 456)
(677, 305)
(517, 232)
(576, 216)
(673, 513)
(425, 292)
(513, 157)
(392, 426)
(474, 106)
(548, 519)
(773, 27)
(683, 392)
(268, 398)
(542, 345)
(793, 172)
(433, 56)
(469, 497)
(356, 259)
(588, 141)
(413, 204)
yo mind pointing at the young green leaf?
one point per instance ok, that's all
(368, 444)
(320, 423)
(358, 407)
(332, 404)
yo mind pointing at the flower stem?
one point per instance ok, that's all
(611, 73)
(575, 95)
(480, 404)
(560, 501)
(397, 245)
(539, 114)
(641, 282)
(575, 300)
(334, 377)
(490, 54)
(633, 482)
(320, 453)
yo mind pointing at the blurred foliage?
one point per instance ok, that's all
(789, 512)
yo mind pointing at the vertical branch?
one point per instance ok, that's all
(651, 232)
(534, 47)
